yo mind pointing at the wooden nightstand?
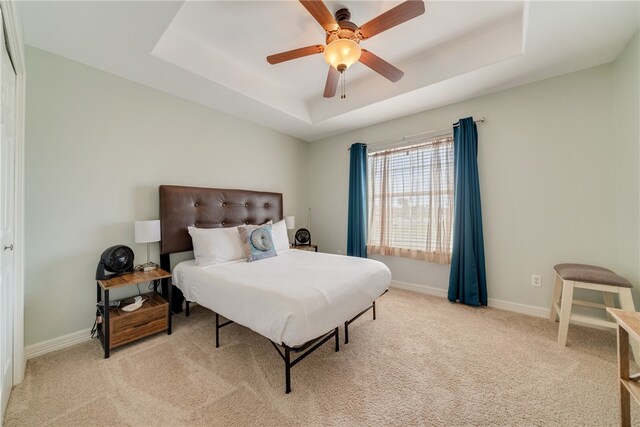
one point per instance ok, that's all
(305, 247)
(119, 327)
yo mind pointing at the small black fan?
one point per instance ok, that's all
(116, 260)
(303, 237)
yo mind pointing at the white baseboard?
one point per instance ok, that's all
(58, 343)
(422, 289)
(530, 310)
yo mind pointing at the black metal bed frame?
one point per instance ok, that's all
(348, 322)
(306, 348)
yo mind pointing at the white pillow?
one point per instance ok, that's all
(215, 245)
(279, 236)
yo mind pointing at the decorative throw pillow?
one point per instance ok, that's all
(257, 242)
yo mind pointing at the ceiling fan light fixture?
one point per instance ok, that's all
(342, 53)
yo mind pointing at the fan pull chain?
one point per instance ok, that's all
(343, 94)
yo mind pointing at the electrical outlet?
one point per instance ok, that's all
(536, 280)
(339, 252)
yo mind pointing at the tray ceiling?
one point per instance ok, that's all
(213, 52)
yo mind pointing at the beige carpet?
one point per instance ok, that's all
(425, 361)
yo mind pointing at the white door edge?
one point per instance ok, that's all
(15, 42)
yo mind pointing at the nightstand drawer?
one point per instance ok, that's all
(149, 319)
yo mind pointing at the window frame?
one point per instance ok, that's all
(437, 224)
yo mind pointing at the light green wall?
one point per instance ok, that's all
(626, 78)
(547, 161)
(97, 147)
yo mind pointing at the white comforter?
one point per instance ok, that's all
(291, 298)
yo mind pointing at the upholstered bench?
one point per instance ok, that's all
(581, 276)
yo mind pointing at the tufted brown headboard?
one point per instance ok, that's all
(181, 207)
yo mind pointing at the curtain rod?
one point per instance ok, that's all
(482, 120)
(456, 124)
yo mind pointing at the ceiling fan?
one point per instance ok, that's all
(343, 39)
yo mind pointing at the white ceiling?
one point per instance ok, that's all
(213, 52)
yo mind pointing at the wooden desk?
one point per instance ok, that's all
(628, 325)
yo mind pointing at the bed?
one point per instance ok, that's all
(297, 299)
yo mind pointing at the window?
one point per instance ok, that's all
(411, 201)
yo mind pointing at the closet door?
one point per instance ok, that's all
(7, 220)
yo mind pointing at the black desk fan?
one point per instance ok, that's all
(302, 237)
(117, 260)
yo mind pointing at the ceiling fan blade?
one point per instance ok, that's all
(380, 66)
(396, 16)
(294, 54)
(319, 11)
(332, 83)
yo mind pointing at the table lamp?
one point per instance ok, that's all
(147, 232)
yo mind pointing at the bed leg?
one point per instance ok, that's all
(337, 339)
(186, 306)
(287, 370)
(217, 331)
(346, 332)
(374, 310)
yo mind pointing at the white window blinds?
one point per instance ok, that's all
(411, 201)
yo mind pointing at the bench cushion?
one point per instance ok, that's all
(591, 274)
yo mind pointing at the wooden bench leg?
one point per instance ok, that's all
(608, 301)
(555, 299)
(565, 312)
(626, 303)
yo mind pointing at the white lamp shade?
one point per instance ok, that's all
(147, 231)
(290, 221)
